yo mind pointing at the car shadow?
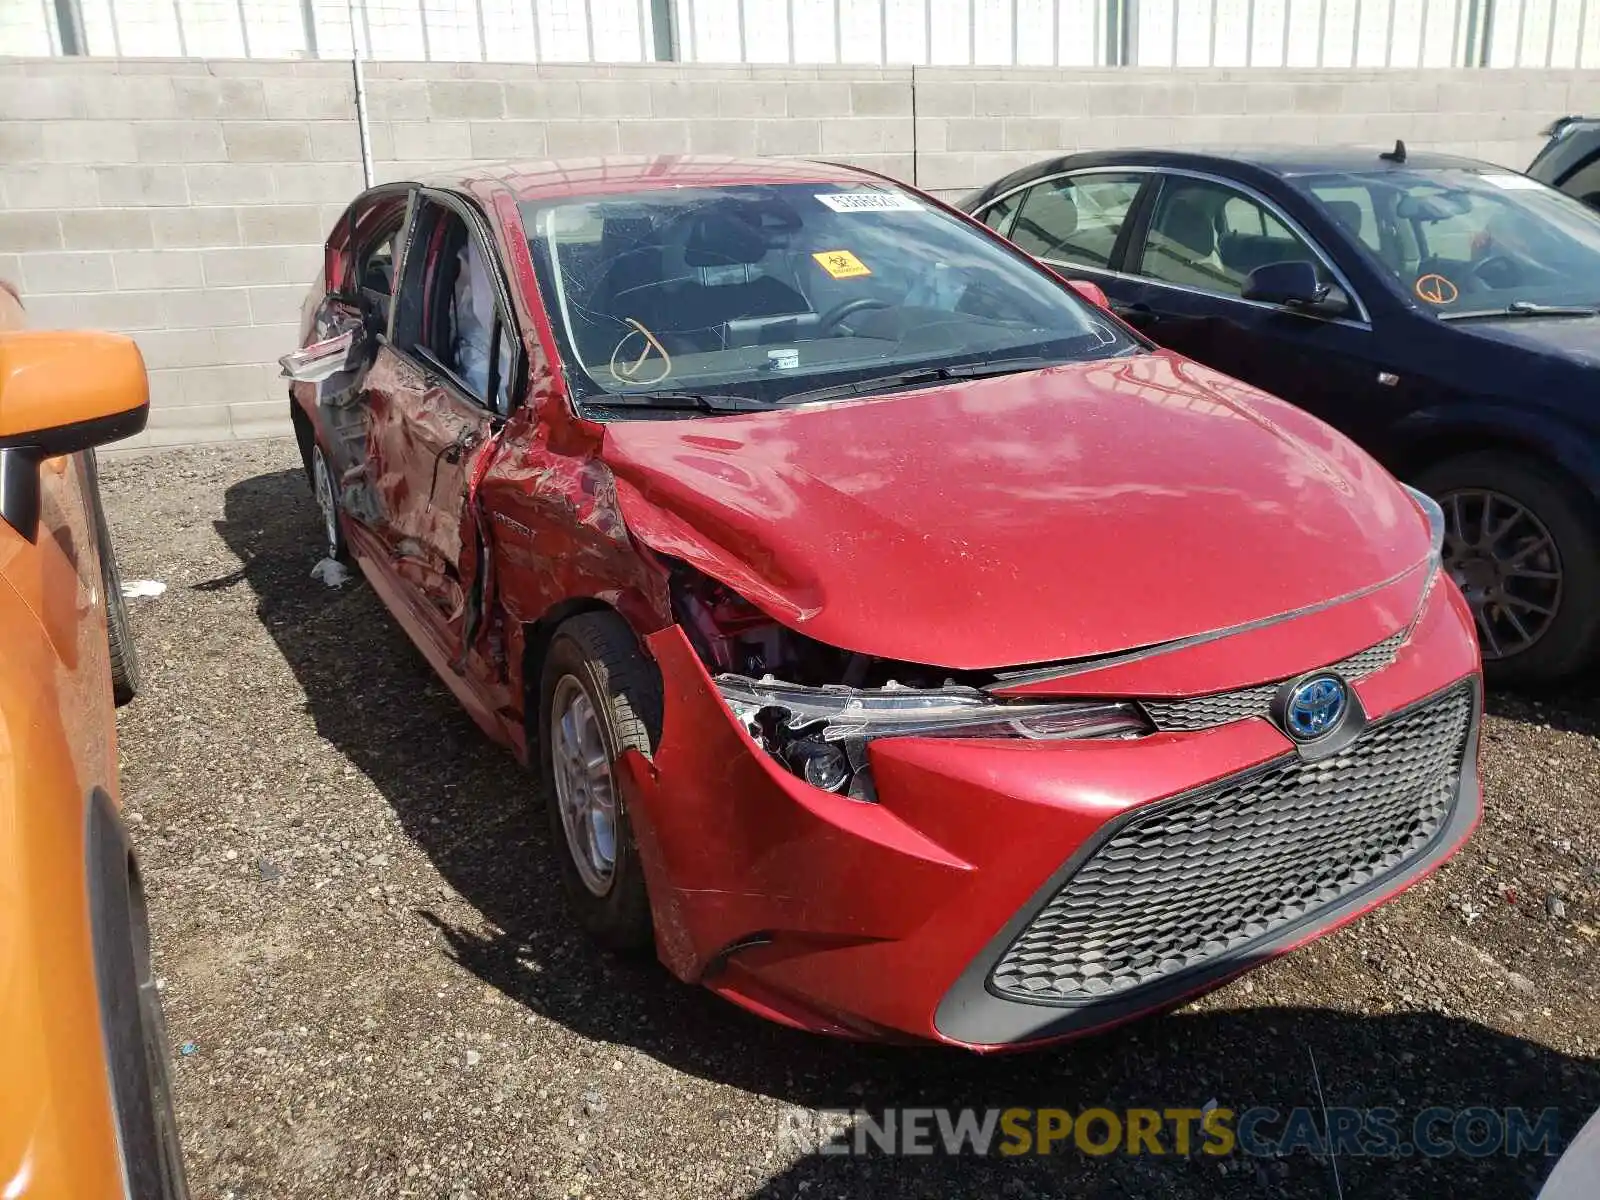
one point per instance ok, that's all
(472, 810)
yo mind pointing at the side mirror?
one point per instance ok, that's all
(1293, 284)
(61, 393)
(1092, 292)
(65, 392)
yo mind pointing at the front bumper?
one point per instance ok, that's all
(887, 920)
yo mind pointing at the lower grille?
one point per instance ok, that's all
(1205, 875)
(1206, 712)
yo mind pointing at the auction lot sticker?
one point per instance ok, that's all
(847, 202)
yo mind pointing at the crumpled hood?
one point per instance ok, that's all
(1064, 513)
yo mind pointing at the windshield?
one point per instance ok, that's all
(768, 292)
(1463, 241)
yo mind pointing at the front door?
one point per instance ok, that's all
(436, 395)
(1188, 265)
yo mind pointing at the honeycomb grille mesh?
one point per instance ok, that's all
(1206, 712)
(1209, 873)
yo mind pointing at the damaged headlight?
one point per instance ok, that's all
(821, 733)
(1435, 516)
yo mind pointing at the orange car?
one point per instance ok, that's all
(84, 1109)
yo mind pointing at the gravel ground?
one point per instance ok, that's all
(372, 988)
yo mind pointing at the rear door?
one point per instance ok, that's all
(437, 393)
(1079, 224)
(1186, 265)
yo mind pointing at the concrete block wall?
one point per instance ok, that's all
(186, 201)
(976, 124)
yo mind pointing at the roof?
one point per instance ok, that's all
(552, 178)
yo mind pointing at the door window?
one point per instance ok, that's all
(450, 316)
(998, 215)
(1209, 236)
(1075, 219)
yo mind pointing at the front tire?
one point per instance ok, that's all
(1521, 541)
(599, 697)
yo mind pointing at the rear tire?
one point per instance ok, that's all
(1507, 579)
(599, 696)
(326, 492)
(126, 674)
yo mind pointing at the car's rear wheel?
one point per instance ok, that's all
(326, 491)
(1522, 543)
(599, 697)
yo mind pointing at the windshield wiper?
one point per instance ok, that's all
(918, 376)
(679, 401)
(1523, 308)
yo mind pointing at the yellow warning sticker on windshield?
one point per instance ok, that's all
(841, 264)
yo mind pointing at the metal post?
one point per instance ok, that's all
(363, 129)
(1583, 31)
(69, 27)
(1175, 13)
(1211, 46)
(1055, 33)
(1486, 34)
(1422, 36)
(665, 25)
(308, 21)
(927, 29)
(588, 29)
(1250, 30)
(1522, 28)
(1550, 41)
(738, 6)
(183, 42)
(1283, 52)
(244, 27)
(483, 40)
(691, 47)
(883, 31)
(1322, 31)
(972, 29)
(427, 42)
(1355, 38)
(789, 29)
(1016, 35)
(1130, 33)
(1388, 46)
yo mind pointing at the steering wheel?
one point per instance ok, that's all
(836, 315)
(1506, 268)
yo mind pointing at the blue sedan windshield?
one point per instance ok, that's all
(770, 291)
(1463, 241)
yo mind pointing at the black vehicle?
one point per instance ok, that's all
(1570, 160)
(1443, 312)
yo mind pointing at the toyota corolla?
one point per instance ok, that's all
(903, 646)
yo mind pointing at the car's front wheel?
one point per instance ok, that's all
(1522, 544)
(599, 697)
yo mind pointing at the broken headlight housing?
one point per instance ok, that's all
(821, 733)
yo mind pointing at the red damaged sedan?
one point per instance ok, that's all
(905, 648)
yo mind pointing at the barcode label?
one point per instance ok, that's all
(869, 202)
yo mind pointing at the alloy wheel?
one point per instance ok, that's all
(1504, 560)
(585, 789)
(322, 481)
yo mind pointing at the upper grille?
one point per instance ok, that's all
(1209, 873)
(1206, 712)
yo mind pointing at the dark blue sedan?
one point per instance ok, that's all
(1443, 312)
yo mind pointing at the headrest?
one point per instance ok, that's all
(719, 239)
(1347, 213)
(1186, 223)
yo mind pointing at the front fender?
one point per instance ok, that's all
(1439, 431)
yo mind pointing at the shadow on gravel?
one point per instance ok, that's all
(468, 806)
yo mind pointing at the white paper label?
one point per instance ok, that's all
(783, 360)
(846, 202)
(1514, 183)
